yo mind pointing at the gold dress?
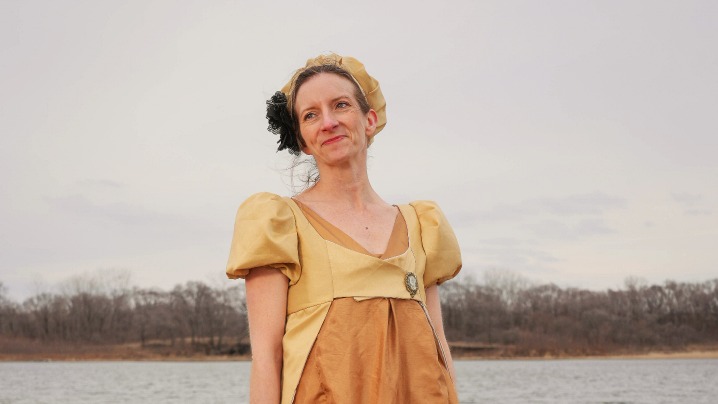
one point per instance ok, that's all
(354, 332)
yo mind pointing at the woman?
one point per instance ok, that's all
(342, 293)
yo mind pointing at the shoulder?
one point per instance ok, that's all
(264, 235)
(443, 255)
(428, 213)
(263, 197)
(424, 206)
(268, 211)
(436, 232)
(433, 225)
(265, 203)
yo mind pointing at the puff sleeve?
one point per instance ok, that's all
(265, 235)
(443, 256)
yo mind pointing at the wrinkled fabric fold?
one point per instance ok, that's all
(375, 351)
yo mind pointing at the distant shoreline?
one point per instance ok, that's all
(121, 355)
(703, 354)
(23, 349)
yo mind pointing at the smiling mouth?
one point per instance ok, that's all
(332, 140)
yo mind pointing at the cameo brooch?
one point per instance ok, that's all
(412, 284)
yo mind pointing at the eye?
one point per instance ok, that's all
(308, 116)
(342, 104)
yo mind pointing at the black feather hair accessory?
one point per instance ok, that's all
(280, 123)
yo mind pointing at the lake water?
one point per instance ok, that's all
(540, 381)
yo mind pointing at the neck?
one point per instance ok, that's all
(346, 185)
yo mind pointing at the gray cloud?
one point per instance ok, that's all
(508, 251)
(566, 231)
(94, 183)
(595, 203)
(693, 204)
(698, 212)
(687, 199)
(502, 242)
(131, 225)
(116, 212)
(522, 259)
(591, 204)
(501, 213)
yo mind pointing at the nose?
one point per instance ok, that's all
(329, 121)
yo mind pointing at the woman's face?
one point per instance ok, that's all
(333, 127)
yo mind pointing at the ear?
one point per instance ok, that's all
(302, 145)
(371, 123)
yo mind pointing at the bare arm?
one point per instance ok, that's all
(433, 305)
(266, 312)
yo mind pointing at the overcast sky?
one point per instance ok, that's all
(571, 142)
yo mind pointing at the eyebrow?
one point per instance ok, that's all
(333, 100)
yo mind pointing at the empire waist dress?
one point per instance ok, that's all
(357, 334)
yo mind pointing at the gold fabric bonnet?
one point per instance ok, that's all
(368, 85)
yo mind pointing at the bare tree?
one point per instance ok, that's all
(505, 310)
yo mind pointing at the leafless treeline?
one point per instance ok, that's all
(504, 310)
(87, 311)
(507, 310)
